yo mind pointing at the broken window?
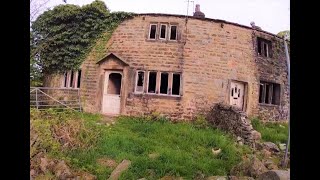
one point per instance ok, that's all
(163, 30)
(264, 47)
(72, 79)
(153, 30)
(269, 93)
(114, 83)
(173, 32)
(176, 84)
(139, 81)
(164, 83)
(152, 82)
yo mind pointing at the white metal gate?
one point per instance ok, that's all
(55, 98)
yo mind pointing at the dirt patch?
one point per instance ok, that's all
(105, 162)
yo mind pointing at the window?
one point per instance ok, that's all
(269, 93)
(65, 79)
(152, 82)
(152, 32)
(264, 47)
(173, 32)
(139, 81)
(159, 83)
(164, 83)
(72, 79)
(79, 79)
(176, 84)
(163, 31)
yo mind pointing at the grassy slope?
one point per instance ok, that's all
(183, 149)
(273, 132)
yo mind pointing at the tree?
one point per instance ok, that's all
(61, 37)
(282, 33)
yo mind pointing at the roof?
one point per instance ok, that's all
(112, 54)
(207, 19)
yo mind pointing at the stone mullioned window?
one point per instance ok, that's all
(163, 31)
(158, 83)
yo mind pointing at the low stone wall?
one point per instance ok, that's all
(233, 120)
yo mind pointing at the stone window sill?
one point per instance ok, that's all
(159, 96)
(162, 41)
(268, 105)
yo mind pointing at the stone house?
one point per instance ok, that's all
(180, 66)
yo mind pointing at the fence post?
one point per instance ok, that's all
(37, 104)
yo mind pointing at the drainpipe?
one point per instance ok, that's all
(288, 66)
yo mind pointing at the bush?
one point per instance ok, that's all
(56, 131)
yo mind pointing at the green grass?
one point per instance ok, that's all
(183, 150)
(272, 132)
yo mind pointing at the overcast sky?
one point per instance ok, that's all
(271, 15)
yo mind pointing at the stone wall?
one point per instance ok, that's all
(232, 120)
(273, 69)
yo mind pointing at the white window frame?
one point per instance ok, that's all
(155, 91)
(165, 34)
(168, 87)
(136, 82)
(179, 86)
(155, 36)
(176, 33)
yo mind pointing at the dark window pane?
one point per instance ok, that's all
(267, 94)
(65, 79)
(114, 84)
(79, 79)
(261, 94)
(276, 94)
(71, 79)
(163, 31)
(265, 50)
(152, 82)
(140, 82)
(164, 83)
(176, 84)
(259, 46)
(173, 33)
(153, 30)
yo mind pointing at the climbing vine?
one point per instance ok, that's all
(62, 37)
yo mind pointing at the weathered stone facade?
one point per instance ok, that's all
(208, 54)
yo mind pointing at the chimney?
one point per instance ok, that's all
(198, 13)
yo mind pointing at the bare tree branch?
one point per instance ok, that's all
(36, 6)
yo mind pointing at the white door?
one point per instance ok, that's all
(237, 94)
(112, 93)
